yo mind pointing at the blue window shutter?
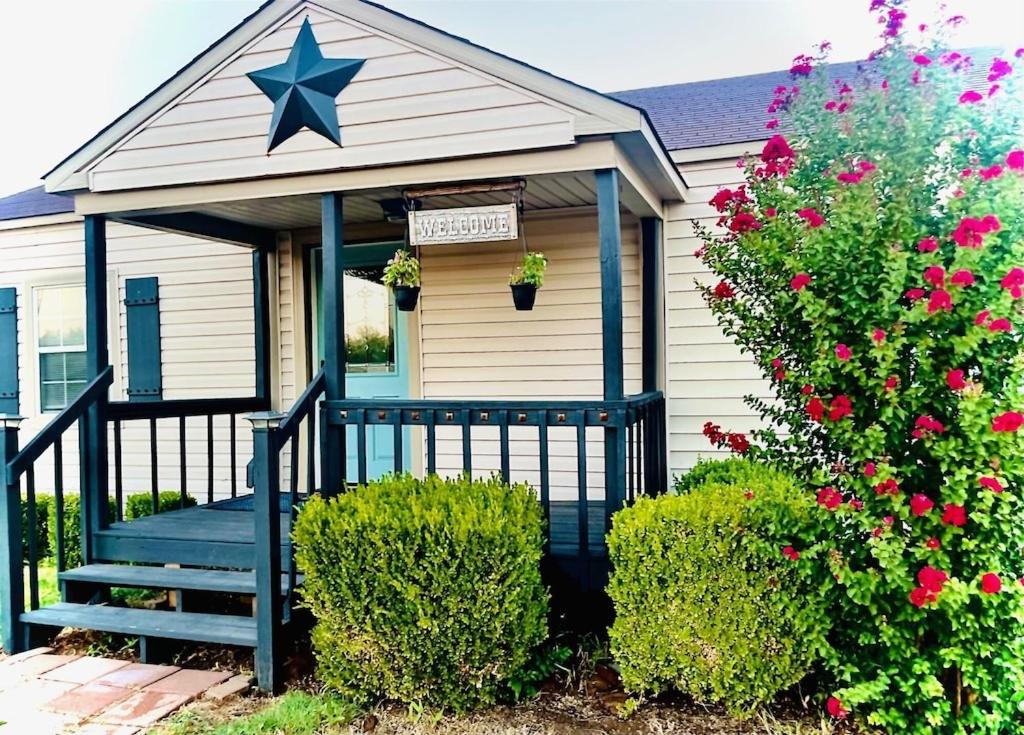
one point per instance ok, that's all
(8, 351)
(142, 306)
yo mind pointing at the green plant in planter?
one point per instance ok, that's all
(531, 271)
(402, 270)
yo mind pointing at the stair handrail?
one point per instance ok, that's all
(60, 423)
(304, 405)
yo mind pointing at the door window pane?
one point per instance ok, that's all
(369, 332)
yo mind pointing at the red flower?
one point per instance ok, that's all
(955, 380)
(790, 553)
(843, 352)
(1007, 422)
(969, 233)
(933, 543)
(829, 498)
(776, 148)
(816, 409)
(1015, 160)
(850, 177)
(939, 300)
(856, 504)
(992, 172)
(954, 515)
(1013, 282)
(935, 275)
(770, 212)
(990, 483)
(840, 407)
(799, 281)
(878, 336)
(738, 442)
(749, 495)
(772, 124)
(919, 597)
(724, 291)
(887, 487)
(835, 709)
(927, 425)
(981, 317)
(802, 66)
(920, 504)
(932, 579)
(991, 584)
(807, 389)
(811, 215)
(999, 69)
(1000, 325)
(970, 97)
(927, 245)
(915, 294)
(870, 469)
(962, 278)
(922, 60)
(721, 200)
(714, 433)
(744, 222)
(891, 382)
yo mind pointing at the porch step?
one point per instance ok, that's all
(205, 580)
(225, 629)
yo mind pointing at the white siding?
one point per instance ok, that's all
(207, 335)
(708, 376)
(405, 104)
(474, 344)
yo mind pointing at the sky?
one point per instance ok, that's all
(69, 67)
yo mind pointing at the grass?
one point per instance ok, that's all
(49, 592)
(295, 713)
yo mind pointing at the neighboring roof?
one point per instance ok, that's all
(734, 110)
(34, 202)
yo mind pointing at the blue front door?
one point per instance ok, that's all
(375, 339)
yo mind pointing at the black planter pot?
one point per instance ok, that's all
(406, 297)
(524, 295)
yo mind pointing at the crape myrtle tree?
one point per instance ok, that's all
(873, 265)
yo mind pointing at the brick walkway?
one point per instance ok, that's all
(42, 693)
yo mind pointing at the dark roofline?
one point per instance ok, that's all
(34, 202)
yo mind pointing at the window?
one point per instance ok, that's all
(60, 338)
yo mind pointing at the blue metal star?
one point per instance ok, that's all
(303, 90)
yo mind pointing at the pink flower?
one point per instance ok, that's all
(1000, 325)
(981, 317)
(887, 487)
(829, 498)
(891, 382)
(1007, 422)
(927, 245)
(939, 300)
(969, 233)
(799, 281)
(927, 425)
(870, 469)
(811, 215)
(970, 97)
(878, 336)
(802, 66)
(935, 275)
(1015, 160)
(920, 504)
(962, 278)
(990, 483)
(839, 408)
(954, 515)
(999, 69)
(835, 709)
(933, 543)
(744, 222)
(915, 294)
(992, 172)
(843, 353)
(922, 60)
(850, 177)
(991, 584)
(1013, 282)
(790, 553)
(772, 124)
(955, 380)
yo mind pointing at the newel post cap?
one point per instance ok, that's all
(10, 421)
(265, 420)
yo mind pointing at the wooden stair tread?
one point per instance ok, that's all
(206, 580)
(225, 629)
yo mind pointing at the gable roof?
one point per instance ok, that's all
(34, 202)
(733, 110)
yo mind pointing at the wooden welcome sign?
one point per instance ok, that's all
(466, 224)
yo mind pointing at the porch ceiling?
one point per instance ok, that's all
(295, 212)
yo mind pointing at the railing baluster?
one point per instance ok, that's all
(583, 503)
(467, 444)
(361, 445)
(233, 449)
(431, 442)
(154, 478)
(629, 463)
(311, 452)
(545, 477)
(209, 458)
(33, 542)
(58, 500)
(396, 427)
(118, 473)
(293, 469)
(182, 461)
(503, 440)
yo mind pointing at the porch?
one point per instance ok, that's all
(585, 456)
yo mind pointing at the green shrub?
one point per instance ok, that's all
(425, 591)
(706, 600)
(42, 533)
(734, 470)
(72, 529)
(139, 505)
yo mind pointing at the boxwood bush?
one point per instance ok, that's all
(72, 528)
(424, 591)
(708, 598)
(139, 505)
(734, 470)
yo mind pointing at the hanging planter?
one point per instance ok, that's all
(402, 275)
(526, 279)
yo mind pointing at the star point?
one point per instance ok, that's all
(303, 90)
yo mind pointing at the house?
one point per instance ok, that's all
(193, 302)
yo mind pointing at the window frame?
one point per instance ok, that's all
(40, 350)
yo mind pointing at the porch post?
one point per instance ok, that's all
(332, 240)
(261, 315)
(610, 236)
(12, 581)
(650, 233)
(93, 440)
